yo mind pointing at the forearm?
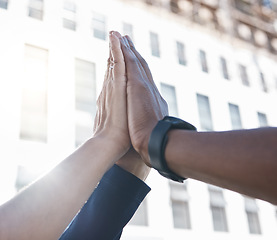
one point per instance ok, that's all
(43, 210)
(244, 161)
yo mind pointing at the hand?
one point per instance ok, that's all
(111, 117)
(145, 104)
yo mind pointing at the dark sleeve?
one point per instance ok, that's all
(109, 208)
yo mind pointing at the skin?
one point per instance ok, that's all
(244, 161)
(131, 161)
(45, 208)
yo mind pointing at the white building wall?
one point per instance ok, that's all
(64, 46)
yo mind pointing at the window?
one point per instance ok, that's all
(243, 75)
(33, 125)
(85, 100)
(140, 218)
(251, 210)
(154, 41)
(263, 82)
(217, 204)
(69, 15)
(128, 30)
(169, 95)
(180, 205)
(262, 119)
(4, 4)
(203, 61)
(99, 26)
(235, 116)
(36, 9)
(181, 53)
(204, 112)
(224, 68)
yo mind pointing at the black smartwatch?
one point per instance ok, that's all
(158, 141)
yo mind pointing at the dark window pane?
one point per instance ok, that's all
(99, 26)
(262, 120)
(219, 219)
(204, 111)
(243, 75)
(169, 94)
(224, 68)
(4, 4)
(253, 222)
(203, 60)
(263, 83)
(155, 48)
(128, 30)
(181, 53)
(181, 215)
(235, 116)
(35, 13)
(36, 9)
(69, 24)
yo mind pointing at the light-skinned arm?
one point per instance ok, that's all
(46, 207)
(244, 161)
(116, 197)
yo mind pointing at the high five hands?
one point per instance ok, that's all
(130, 104)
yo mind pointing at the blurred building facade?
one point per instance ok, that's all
(214, 62)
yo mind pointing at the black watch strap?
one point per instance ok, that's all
(157, 144)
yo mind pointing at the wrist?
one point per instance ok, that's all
(140, 170)
(132, 163)
(141, 146)
(158, 142)
(109, 147)
(113, 142)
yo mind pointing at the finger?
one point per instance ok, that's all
(107, 78)
(109, 65)
(118, 59)
(133, 67)
(101, 102)
(140, 58)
